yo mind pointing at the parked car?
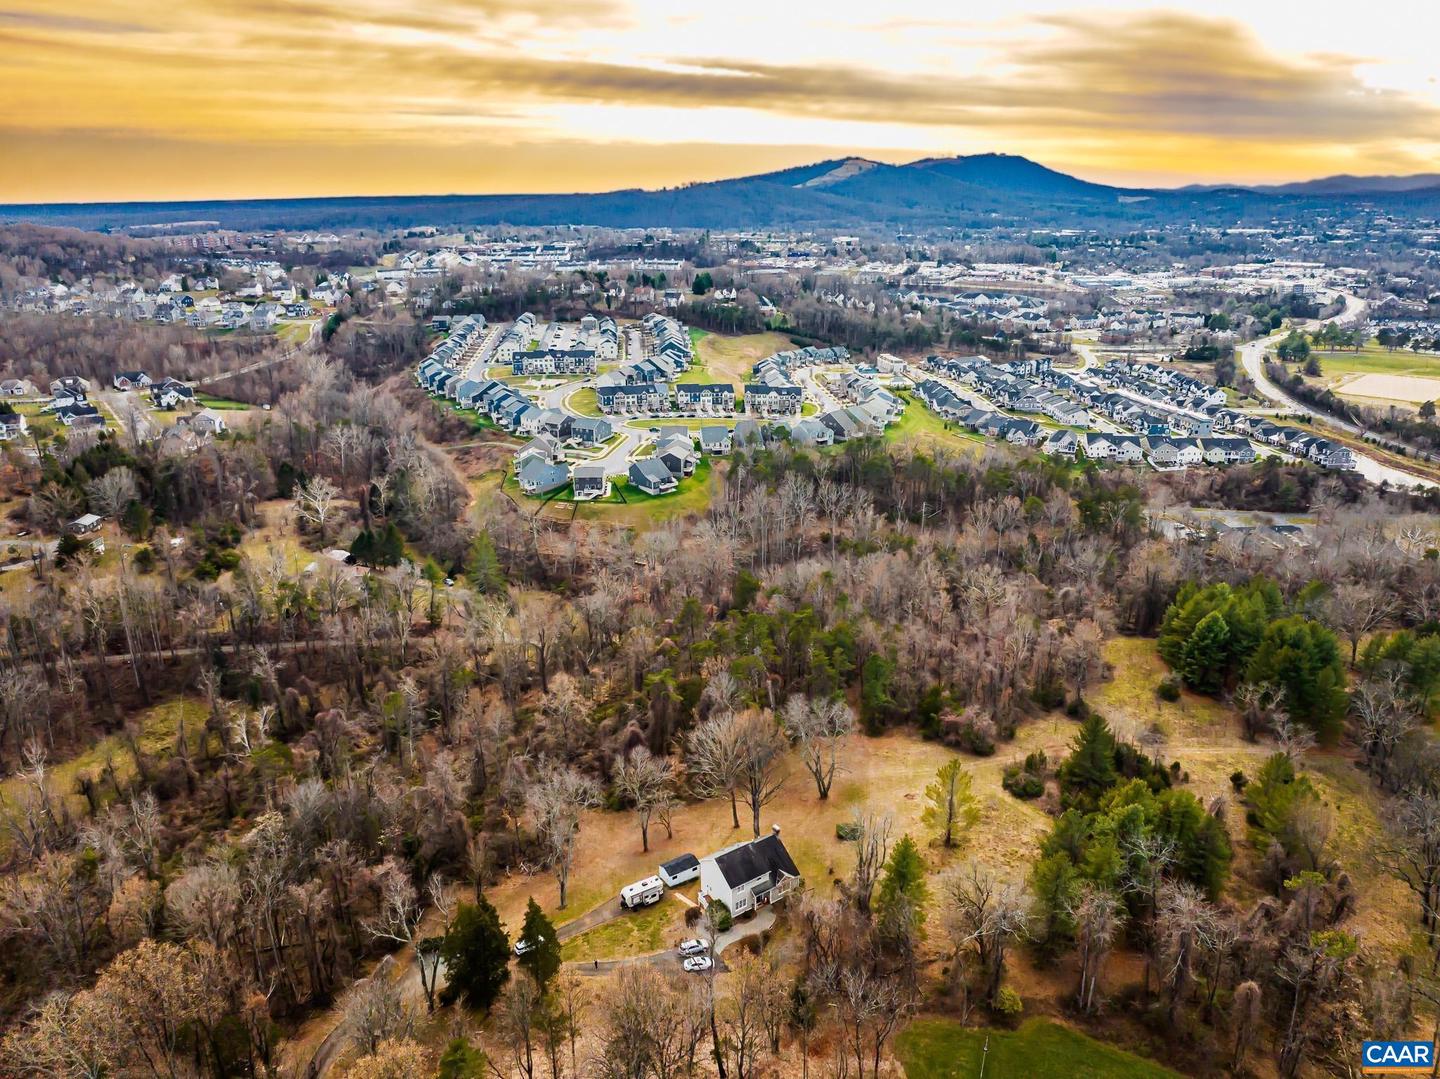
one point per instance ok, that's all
(698, 964)
(522, 945)
(694, 947)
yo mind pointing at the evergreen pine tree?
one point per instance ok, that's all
(483, 566)
(1202, 659)
(903, 882)
(390, 548)
(542, 959)
(1090, 769)
(950, 805)
(363, 549)
(476, 951)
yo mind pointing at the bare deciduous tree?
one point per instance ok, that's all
(557, 797)
(714, 759)
(819, 728)
(1356, 608)
(374, 1010)
(987, 914)
(1098, 916)
(872, 847)
(645, 781)
(1244, 1019)
(316, 502)
(1410, 852)
(762, 748)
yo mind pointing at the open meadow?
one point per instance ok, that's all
(721, 358)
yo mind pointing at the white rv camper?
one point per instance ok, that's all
(642, 893)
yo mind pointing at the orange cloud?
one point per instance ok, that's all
(495, 95)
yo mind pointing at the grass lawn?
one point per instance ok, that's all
(481, 423)
(640, 510)
(37, 420)
(566, 494)
(293, 332)
(221, 404)
(1040, 1049)
(917, 423)
(1375, 359)
(693, 423)
(584, 402)
(888, 773)
(633, 933)
(1204, 736)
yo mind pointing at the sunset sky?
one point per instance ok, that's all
(131, 99)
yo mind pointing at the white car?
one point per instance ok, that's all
(697, 964)
(522, 945)
(693, 947)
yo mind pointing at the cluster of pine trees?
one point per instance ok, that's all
(1218, 636)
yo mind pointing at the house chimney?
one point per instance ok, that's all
(774, 829)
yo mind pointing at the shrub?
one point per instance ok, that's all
(1238, 780)
(969, 731)
(847, 831)
(1022, 784)
(720, 916)
(1008, 1005)
(1168, 689)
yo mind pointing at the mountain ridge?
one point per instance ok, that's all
(976, 190)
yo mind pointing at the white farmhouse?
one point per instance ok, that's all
(749, 875)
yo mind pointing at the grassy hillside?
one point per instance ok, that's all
(943, 1049)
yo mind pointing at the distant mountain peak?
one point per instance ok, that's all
(1014, 173)
(844, 170)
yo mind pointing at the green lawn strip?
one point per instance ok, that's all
(1039, 1049)
(565, 494)
(693, 423)
(482, 423)
(692, 496)
(697, 374)
(221, 404)
(633, 933)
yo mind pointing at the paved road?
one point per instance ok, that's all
(482, 352)
(812, 386)
(1252, 357)
(607, 911)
